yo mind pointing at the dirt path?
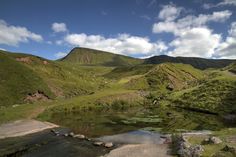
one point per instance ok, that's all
(23, 127)
(140, 150)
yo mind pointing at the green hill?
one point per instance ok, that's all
(19, 82)
(26, 78)
(87, 56)
(200, 63)
(23, 75)
(214, 95)
(231, 68)
(167, 76)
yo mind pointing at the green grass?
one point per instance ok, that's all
(87, 56)
(215, 94)
(17, 81)
(78, 85)
(214, 149)
(87, 102)
(167, 75)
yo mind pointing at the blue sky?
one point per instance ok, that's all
(138, 28)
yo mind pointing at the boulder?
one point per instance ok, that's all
(108, 144)
(80, 136)
(71, 134)
(214, 140)
(98, 143)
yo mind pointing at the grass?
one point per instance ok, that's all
(74, 86)
(17, 81)
(86, 102)
(166, 77)
(87, 56)
(214, 149)
(215, 95)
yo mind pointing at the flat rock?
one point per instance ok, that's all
(23, 127)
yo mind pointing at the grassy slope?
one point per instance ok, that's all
(71, 80)
(167, 75)
(216, 94)
(200, 63)
(17, 81)
(66, 79)
(95, 57)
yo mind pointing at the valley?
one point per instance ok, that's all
(99, 94)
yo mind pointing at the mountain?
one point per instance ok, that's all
(27, 78)
(87, 56)
(200, 63)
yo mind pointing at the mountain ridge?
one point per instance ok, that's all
(88, 56)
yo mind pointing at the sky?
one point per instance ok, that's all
(137, 28)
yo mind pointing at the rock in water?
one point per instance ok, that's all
(98, 143)
(108, 145)
(71, 134)
(79, 136)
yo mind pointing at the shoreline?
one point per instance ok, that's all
(24, 127)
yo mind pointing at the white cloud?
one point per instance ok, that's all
(59, 27)
(2, 49)
(169, 12)
(13, 35)
(223, 3)
(227, 2)
(195, 42)
(121, 44)
(190, 21)
(60, 54)
(227, 49)
(192, 36)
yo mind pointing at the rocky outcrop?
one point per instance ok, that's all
(24, 59)
(37, 96)
(185, 149)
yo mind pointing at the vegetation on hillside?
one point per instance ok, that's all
(87, 56)
(200, 63)
(18, 82)
(167, 77)
(170, 88)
